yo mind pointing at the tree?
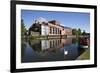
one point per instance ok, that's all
(23, 29)
(74, 31)
(79, 31)
(84, 33)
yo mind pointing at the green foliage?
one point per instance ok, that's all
(84, 33)
(23, 29)
(76, 32)
(79, 31)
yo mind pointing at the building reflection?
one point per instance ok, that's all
(51, 50)
(52, 45)
(43, 45)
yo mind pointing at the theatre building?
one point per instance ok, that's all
(42, 27)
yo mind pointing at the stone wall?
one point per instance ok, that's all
(35, 33)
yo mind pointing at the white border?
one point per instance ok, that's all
(20, 65)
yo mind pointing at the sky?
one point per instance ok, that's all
(68, 19)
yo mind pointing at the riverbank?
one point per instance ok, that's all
(46, 37)
(53, 36)
(85, 55)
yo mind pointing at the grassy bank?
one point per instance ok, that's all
(85, 55)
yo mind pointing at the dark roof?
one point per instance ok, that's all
(67, 27)
(54, 22)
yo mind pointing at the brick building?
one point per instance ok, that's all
(43, 27)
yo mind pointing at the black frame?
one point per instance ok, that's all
(13, 35)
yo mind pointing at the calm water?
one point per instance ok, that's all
(51, 50)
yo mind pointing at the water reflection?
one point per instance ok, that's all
(51, 50)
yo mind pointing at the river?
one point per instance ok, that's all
(44, 50)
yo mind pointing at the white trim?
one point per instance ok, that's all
(58, 63)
